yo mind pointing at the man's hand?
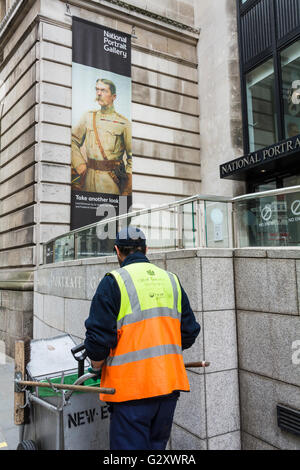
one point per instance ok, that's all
(96, 365)
(96, 369)
(81, 169)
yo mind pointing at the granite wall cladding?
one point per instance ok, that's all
(16, 308)
(268, 326)
(206, 418)
(16, 318)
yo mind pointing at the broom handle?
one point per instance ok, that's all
(197, 364)
(19, 397)
(77, 388)
(84, 388)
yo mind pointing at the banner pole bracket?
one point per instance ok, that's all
(68, 10)
(133, 33)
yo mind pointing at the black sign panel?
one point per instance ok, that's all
(101, 47)
(235, 169)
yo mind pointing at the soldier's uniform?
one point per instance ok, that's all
(100, 140)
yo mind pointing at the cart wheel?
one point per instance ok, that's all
(27, 445)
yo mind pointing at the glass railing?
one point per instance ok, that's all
(268, 219)
(168, 227)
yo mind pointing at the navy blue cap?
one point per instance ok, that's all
(131, 236)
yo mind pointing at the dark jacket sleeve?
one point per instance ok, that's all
(101, 325)
(190, 328)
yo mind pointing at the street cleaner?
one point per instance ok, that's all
(140, 320)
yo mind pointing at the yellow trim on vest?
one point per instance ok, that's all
(179, 292)
(153, 287)
(125, 307)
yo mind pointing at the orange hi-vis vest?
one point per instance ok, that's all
(147, 361)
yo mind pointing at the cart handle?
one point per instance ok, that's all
(76, 350)
(79, 381)
(197, 364)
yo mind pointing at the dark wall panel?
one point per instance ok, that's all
(256, 30)
(288, 16)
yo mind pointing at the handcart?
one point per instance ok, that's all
(58, 412)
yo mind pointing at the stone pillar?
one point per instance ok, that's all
(219, 94)
(16, 308)
(268, 326)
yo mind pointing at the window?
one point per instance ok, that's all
(290, 65)
(260, 84)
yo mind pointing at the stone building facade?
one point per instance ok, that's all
(186, 112)
(35, 96)
(171, 103)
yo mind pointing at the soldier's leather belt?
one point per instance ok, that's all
(102, 165)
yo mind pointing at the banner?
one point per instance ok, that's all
(101, 123)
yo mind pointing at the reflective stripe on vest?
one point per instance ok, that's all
(148, 353)
(143, 354)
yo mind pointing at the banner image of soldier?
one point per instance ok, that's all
(102, 146)
(101, 159)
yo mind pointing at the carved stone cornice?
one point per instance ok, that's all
(153, 15)
(140, 17)
(10, 13)
(17, 8)
(119, 9)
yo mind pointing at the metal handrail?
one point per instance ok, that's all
(197, 197)
(200, 198)
(181, 202)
